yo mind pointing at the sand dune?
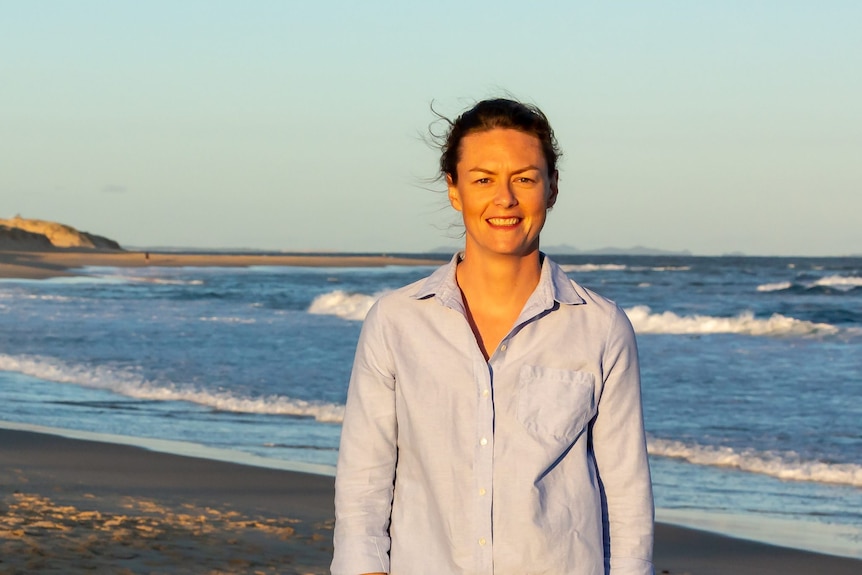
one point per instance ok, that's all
(58, 236)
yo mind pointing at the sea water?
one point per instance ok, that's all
(752, 372)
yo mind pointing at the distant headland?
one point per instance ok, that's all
(36, 235)
(38, 249)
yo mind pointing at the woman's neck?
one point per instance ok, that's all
(494, 291)
(500, 279)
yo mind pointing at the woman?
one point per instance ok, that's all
(493, 421)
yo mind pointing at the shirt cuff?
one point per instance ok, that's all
(630, 566)
(361, 555)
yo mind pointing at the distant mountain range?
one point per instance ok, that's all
(565, 249)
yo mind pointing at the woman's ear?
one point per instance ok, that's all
(454, 194)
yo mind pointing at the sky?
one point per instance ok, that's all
(714, 127)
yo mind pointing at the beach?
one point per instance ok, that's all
(72, 506)
(218, 350)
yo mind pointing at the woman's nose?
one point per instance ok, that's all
(504, 197)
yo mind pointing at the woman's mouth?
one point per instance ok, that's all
(503, 222)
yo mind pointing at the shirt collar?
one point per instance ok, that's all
(442, 284)
(554, 286)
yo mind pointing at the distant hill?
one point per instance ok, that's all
(565, 249)
(613, 251)
(25, 234)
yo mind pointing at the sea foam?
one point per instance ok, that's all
(352, 306)
(778, 286)
(126, 382)
(781, 465)
(839, 282)
(836, 282)
(355, 306)
(585, 268)
(644, 321)
(593, 267)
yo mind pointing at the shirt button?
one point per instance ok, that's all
(485, 393)
(503, 347)
(483, 441)
(482, 491)
(482, 541)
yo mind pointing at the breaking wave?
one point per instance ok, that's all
(355, 306)
(351, 306)
(165, 281)
(619, 267)
(671, 268)
(219, 319)
(835, 282)
(593, 267)
(644, 321)
(841, 282)
(125, 382)
(779, 286)
(787, 466)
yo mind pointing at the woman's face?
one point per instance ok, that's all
(503, 192)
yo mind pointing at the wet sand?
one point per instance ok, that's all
(72, 506)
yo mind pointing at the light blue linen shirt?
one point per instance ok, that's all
(533, 462)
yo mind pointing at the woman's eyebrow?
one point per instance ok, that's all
(519, 171)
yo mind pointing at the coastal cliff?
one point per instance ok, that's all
(26, 234)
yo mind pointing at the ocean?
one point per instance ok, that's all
(752, 373)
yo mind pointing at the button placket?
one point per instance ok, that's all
(484, 466)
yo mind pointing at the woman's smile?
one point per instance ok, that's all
(503, 222)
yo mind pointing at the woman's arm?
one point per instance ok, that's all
(619, 445)
(366, 462)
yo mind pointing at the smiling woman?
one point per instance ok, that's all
(503, 192)
(493, 420)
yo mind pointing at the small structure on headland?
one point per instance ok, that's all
(26, 234)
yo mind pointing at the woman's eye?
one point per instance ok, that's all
(483, 181)
(524, 180)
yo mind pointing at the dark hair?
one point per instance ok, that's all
(497, 113)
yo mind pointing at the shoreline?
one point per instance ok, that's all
(40, 470)
(51, 264)
(46, 264)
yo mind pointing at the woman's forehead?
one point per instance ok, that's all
(501, 146)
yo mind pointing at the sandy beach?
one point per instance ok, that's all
(71, 506)
(47, 264)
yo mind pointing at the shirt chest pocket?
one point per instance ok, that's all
(555, 404)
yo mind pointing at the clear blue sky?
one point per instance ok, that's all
(708, 126)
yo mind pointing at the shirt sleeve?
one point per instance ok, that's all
(619, 444)
(367, 455)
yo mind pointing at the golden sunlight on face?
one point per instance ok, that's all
(503, 192)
